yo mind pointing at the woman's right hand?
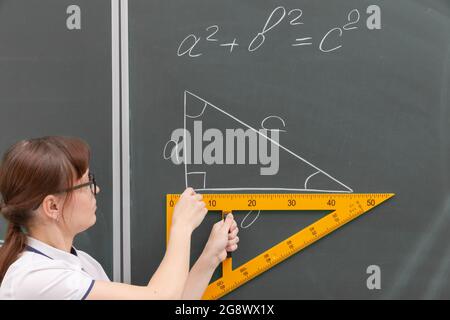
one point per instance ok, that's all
(190, 210)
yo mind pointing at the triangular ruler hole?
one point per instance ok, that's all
(261, 230)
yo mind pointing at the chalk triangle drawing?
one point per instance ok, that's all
(202, 177)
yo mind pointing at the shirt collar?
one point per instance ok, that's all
(53, 252)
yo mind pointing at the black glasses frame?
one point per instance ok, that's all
(92, 183)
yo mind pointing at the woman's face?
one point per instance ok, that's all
(79, 212)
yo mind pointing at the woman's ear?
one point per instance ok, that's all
(52, 207)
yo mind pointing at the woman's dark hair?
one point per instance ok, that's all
(31, 170)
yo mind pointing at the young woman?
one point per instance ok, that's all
(49, 197)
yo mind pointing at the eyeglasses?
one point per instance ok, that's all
(92, 184)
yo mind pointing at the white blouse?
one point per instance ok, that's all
(43, 272)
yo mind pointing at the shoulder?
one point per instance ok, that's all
(33, 276)
(92, 266)
(85, 257)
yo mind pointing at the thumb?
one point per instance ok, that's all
(228, 222)
(188, 191)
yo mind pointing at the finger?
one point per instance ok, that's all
(233, 241)
(201, 204)
(232, 248)
(228, 222)
(198, 197)
(219, 224)
(233, 234)
(233, 226)
(188, 191)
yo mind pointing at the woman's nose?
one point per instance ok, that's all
(98, 190)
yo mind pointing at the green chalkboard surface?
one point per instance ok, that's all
(56, 80)
(356, 96)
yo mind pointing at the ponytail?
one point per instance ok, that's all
(13, 246)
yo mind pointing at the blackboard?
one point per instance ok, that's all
(365, 102)
(57, 81)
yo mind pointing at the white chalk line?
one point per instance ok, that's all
(249, 225)
(200, 172)
(277, 117)
(184, 142)
(176, 151)
(281, 189)
(306, 181)
(201, 113)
